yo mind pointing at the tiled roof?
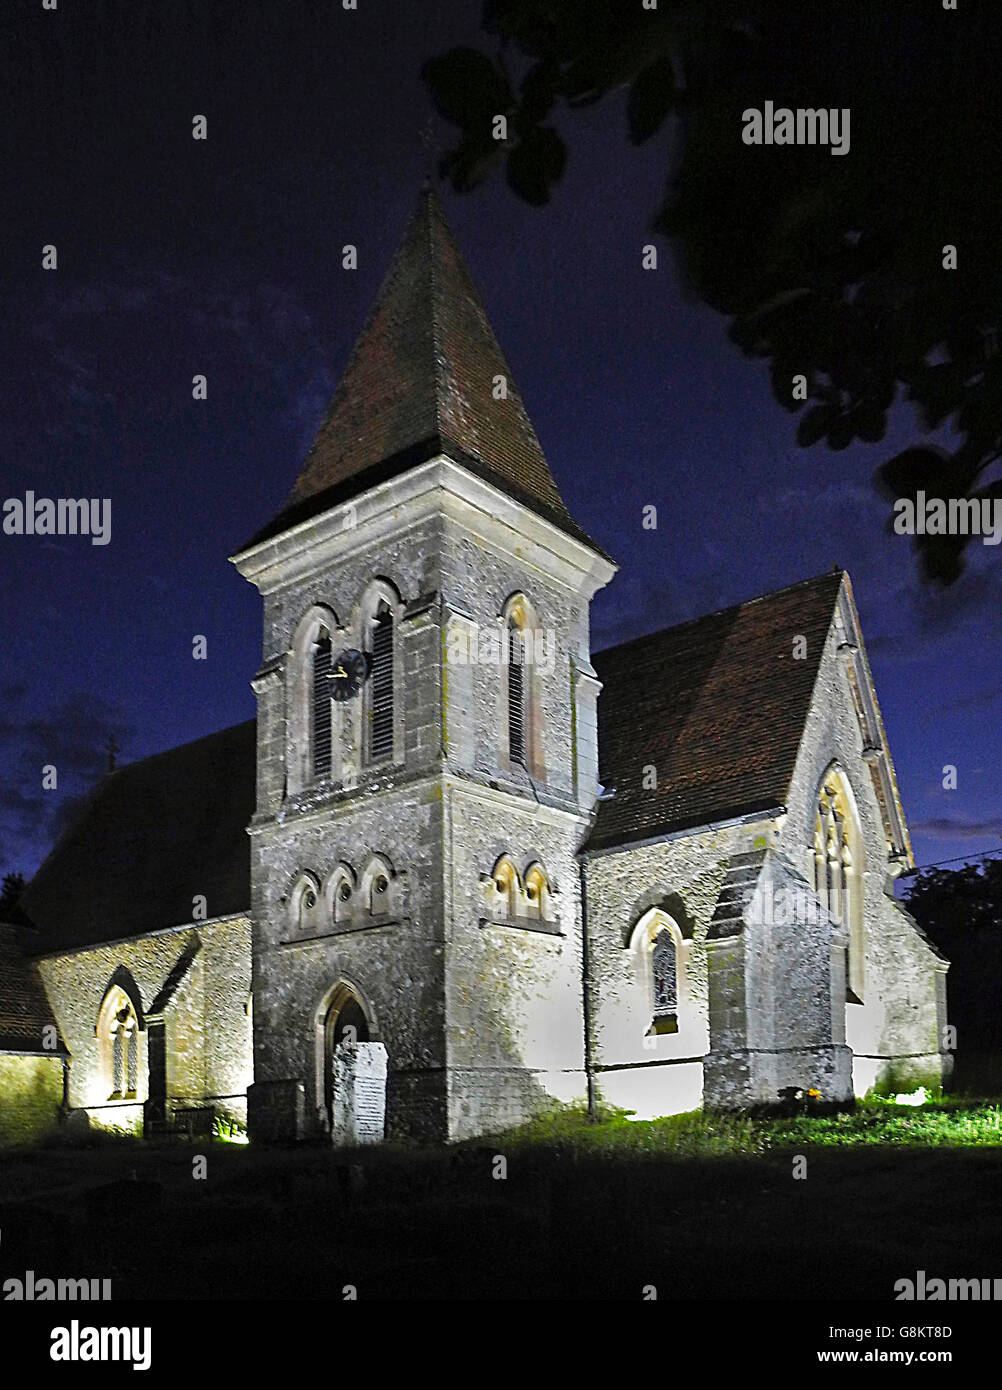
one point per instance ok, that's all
(150, 838)
(715, 706)
(24, 1007)
(419, 383)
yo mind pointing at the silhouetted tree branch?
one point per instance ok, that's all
(827, 266)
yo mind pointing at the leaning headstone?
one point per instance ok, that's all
(359, 1093)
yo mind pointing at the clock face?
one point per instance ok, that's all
(348, 670)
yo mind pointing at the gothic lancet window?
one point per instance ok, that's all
(664, 977)
(837, 877)
(118, 1033)
(321, 742)
(660, 960)
(381, 677)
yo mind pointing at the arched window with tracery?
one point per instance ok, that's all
(306, 912)
(118, 1040)
(661, 955)
(838, 881)
(376, 885)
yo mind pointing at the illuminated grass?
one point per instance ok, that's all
(938, 1124)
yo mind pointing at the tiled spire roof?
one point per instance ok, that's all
(419, 383)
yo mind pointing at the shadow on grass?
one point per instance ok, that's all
(700, 1206)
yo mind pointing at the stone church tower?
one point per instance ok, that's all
(426, 735)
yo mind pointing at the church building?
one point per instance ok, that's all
(459, 867)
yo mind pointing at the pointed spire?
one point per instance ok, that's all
(421, 381)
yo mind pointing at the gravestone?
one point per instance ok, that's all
(359, 1093)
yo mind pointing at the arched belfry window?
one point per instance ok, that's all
(381, 725)
(378, 618)
(312, 750)
(521, 722)
(838, 879)
(516, 695)
(321, 741)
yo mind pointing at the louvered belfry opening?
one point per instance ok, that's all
(516, 696)
(381, 726)
(322, 741)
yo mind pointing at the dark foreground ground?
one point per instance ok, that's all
(697, 1210)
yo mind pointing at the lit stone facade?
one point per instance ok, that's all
(459, 897)
(31, 1097)
(441, 891)
(763, 991)
(192, 982)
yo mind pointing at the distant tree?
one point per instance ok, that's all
(10, 893)
(831, 267)
(961, 910)
(954, 904)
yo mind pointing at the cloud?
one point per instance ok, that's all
(53, 330)
(977, 700)
(952, 828)
(70, 734)
(634, 607)
(928, 618)
(831, 496)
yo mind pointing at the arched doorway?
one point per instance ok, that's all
(344, 1019)
(342, 1015)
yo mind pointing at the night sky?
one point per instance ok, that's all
(223, 257)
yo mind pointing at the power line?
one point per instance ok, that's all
(938, 863)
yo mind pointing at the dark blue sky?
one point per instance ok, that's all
(178, 257)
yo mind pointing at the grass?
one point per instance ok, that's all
(702, 1206)
(937, 1124)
